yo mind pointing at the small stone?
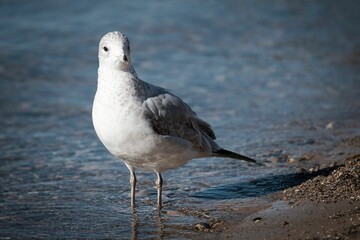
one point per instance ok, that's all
(300, 170)
(216, 224)
(334, 164)
(173, 213)
(203, 227)
(274, 159)
(330, 125)
(257, 219)
(315, 168)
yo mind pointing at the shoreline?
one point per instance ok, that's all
(325, 205)
(307, 220)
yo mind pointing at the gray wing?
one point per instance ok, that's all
(169, 115)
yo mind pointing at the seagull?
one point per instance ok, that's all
(146, 126)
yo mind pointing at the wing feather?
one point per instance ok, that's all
(169, 115)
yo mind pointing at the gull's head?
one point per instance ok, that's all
(114, 51)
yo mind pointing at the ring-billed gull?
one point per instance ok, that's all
(144, 125)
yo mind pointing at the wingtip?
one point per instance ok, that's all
(233, 155)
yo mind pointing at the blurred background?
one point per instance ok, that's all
(276, 80)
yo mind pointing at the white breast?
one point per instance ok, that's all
(124, 130)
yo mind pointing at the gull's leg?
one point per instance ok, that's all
(133, 185)
(159, 183)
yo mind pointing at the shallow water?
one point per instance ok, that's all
(268, 76)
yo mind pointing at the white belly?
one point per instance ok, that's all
(127, 135)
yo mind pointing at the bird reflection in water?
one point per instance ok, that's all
(136, 225)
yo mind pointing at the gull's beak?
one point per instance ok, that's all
(122, 58)
(125, 59)
(122, 62)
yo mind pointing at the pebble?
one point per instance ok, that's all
(330, 125)
(202, 226)
(274, 159)
(292, 160)
(315, 168)
(334, 164)
(257, 219)
(173, 213)
(300, 170)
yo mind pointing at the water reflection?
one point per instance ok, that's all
(142, 226)
(160, 224)
(134, 225)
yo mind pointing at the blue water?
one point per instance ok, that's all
(268, 75)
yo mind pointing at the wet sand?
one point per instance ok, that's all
(326, 205)
(308, 220)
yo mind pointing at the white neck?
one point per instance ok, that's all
(120, 85)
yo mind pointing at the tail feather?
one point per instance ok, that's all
(228, 154)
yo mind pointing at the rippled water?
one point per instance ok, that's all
(269, 76)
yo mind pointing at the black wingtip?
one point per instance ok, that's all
(229, 154)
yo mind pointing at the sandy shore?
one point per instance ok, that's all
(326, 205)
(307, 220)
(323, 207)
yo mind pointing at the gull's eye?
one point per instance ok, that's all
(105, 49)
(125, 58)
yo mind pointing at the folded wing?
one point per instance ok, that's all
(169, 115)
